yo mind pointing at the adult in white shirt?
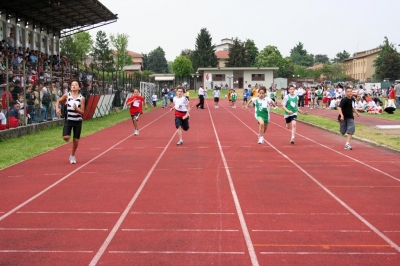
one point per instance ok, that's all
(201, 93)
(300, 93)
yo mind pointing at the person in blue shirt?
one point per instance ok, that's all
(246, 94)
(171, 95)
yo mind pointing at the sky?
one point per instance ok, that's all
(324, 26)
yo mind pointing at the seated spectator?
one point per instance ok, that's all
(333, 103)
(3, 120)
(378, 108)
(377, 100)
(4, 97)
(359, 105)
(371, 108)
(14, 113)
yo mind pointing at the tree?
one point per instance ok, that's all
(252, 52)
(271, 57)
(101, 52)
(182, 67)
(204, 53)
(120, 43)
(300, 56)
(388, 62)
(145, 61)
(341, 56)
(321, 59)
(77, 46)
(156, 61)
(237, 55)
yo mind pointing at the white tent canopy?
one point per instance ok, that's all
(164, 78)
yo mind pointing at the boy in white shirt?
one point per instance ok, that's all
(154, 99)
(181, 108)
(216, 94)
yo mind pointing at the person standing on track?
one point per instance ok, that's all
(245, 96)
(346, 117)
(262, 105)
(201, 93)
(182, 108)
(136, 108)
(75, 104)
(290, 105)
(216, 93)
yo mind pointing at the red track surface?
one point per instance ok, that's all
(221, 198)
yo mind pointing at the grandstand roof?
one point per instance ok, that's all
(60, 17)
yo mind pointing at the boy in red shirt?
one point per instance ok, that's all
(136, 103)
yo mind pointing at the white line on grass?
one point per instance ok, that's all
(109, 238)
(245, 230)
(362, 219)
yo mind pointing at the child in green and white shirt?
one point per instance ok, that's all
(289, 104)
(234, 98)
(262, 111)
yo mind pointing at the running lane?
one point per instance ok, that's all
(61, 214)
(185, 215)
(309, 203)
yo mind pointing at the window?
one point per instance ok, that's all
(258, 77)
(218, 77)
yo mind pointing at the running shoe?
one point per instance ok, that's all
(72, 159)
(260, 140)
(179, 142)
(136, 132)
(348, 147)
(292, 140)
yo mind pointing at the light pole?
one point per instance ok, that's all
(230, 77)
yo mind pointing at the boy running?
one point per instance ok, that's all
(234, 98)
(290, 105)
(181, 107)
(75, 105)
(136, 108)
(346, 117)
(262, 105)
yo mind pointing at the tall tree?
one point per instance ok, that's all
(252, 51)
(388, 62)
(204, 53)
(77, 46)
(270, 56)
(120, 42)
(156, 61)
(237, 55)
(182, 67)
(300, 56)
(341, 56)
(101, 52)
(321, 59)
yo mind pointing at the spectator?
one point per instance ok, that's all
(3, 120)
(10, 42)
(14, 114)
(4, 97)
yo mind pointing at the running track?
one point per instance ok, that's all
(220, 199)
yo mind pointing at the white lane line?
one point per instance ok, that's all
(245, 230)
(15, 176)
(68, 175)
(327, 253)
(67, 212)
(177, 252)
(391, 231)
(294, 213)
(181, 230)
(45, 251)
(52, 229)
(395, 214)
(328, 231)
(109, 238)
(362, 219)
(184, 213)
(341, 153)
